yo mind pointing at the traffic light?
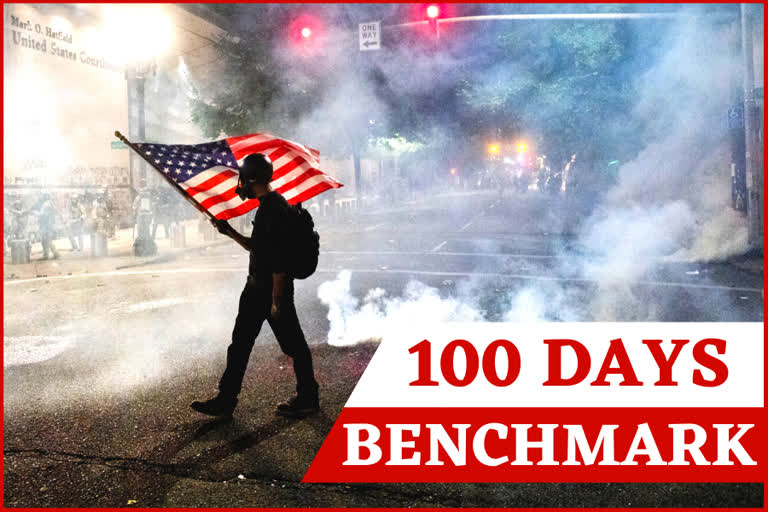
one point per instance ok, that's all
(433, 13)
(306, 35)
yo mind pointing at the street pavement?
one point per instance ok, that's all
(103, 356)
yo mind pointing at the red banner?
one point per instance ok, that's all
(381, 444)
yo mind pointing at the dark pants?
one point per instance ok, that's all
(255, 307)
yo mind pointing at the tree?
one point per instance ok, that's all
(559, 81)
(244, 93)
(565, 84)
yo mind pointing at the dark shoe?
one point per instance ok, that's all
(298, 407)
(216, 407)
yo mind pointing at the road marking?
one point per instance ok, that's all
(465, 226)
(375, 226)
(438, 246)
(421, 253)
(671, 284)
(150, 305)
(501, 237)
(525, 277)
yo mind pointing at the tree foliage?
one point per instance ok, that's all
(559, 81)
(244, 93)
(565, 84)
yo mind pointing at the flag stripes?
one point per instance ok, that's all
(209, 172)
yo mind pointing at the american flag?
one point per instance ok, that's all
(208, 172)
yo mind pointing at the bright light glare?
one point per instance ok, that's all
(62, 24)
(433, 11)
(306, 32)
(493, 148)
(92, 40)
(522, 147)
(34, 105)
(135, 33)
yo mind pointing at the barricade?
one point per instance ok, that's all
(20, 251)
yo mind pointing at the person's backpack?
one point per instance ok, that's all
(305, 244)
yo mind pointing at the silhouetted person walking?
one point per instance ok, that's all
(268, 295)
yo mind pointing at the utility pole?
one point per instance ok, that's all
(754, 166)
(736, 119)
(354, 132)
(142, 125)
(136, 76)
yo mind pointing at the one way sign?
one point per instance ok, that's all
(370, 36)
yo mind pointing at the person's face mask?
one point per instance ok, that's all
(243, 191)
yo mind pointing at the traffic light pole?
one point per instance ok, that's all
(753, 165)
(736, 119)
(570, 16)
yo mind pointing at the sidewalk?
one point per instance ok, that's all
(120, 250)
(120, 247)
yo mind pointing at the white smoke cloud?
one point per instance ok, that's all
(680, 183)
(20, 350)
(628, 239)
(548, 302)
(353, 321)
(670, 203)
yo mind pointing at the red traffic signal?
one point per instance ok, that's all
(306, 34)
(433, 13)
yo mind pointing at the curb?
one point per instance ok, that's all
(115, 262)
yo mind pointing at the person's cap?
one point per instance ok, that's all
(256, 168)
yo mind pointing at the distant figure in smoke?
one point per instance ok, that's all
(108, 207)
(18, 222)
(6, 228)
(101, 220)
(143, 210)
(47, 222)
(268, 295)
(164, 213)
(75, 223)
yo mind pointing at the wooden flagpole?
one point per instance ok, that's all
(178, 188)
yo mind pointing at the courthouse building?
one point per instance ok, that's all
(75, 73)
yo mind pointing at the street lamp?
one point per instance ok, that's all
(135, 37)
(135, 33)
(493, 149)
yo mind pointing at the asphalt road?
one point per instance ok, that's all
(100, 367)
